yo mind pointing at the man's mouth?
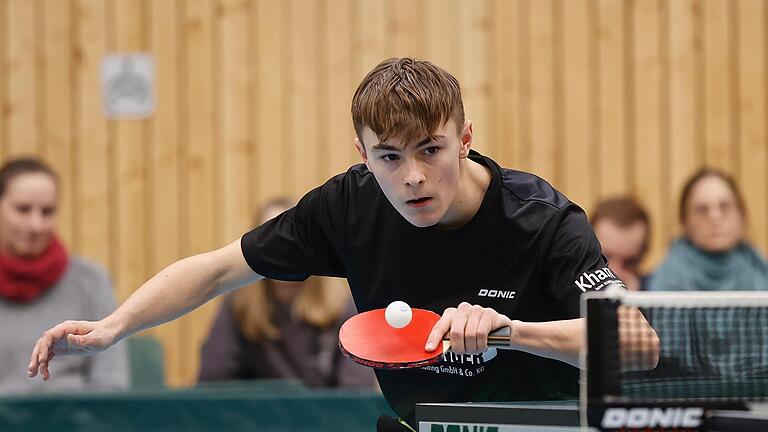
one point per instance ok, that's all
(419, 202)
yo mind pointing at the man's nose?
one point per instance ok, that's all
(414, 174)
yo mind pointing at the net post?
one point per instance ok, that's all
(603, 362)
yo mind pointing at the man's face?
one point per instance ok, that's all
(420, 179)
(27, 215)
(622, 246)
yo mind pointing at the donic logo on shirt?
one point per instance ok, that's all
(496, 293)
(597, 280)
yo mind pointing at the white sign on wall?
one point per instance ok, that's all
(128, 85)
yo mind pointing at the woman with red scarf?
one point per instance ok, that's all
(41, 284)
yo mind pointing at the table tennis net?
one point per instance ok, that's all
(711, 347)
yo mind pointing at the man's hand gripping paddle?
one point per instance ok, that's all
(367, 339)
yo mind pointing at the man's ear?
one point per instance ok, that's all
(466, 139)
(361, 149)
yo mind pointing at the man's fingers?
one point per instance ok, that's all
(46, 372)
(45, 355)
(472, 338)
(54, 339)
(33, 363)
(484, 327)
(32, 370)
(40, 354)
(47, 362)
(439, 330)
(74, 339)
(44, 343)
(469, 327)
(458, 330)
(436, 336)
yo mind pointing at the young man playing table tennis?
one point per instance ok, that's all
(425, 220)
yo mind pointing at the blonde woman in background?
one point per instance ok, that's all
(276, 329)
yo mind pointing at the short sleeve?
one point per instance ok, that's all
(574, 262)
(302, 241)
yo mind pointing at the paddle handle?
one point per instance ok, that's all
(497, 338)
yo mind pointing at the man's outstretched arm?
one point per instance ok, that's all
(174, 291)
(469, 326)
(563, 340)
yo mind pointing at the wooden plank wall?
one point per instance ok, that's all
(601, 97)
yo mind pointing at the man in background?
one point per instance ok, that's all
(624, 230)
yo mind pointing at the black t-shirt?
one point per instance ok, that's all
(527, 253)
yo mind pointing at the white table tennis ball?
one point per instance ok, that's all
(398, 314)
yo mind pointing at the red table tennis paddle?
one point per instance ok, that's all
(367, 339)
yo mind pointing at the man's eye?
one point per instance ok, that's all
(432, 150)
(389, 157)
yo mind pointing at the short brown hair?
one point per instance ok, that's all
(406, 99)
(702, 174)
(624, 212)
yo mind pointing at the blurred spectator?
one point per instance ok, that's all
(624, 231)
(276, 329)
(712, 254)
(41, 285)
